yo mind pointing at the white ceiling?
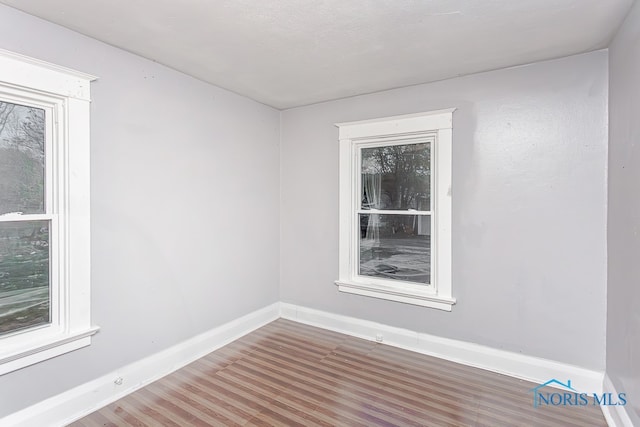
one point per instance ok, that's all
(287, 53)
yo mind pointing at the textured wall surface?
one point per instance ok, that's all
(190, 186)
(529, 208)
(623, 293)
(179, 169)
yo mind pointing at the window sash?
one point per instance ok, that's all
(53, 107)
(357, 210)
(391, 212)
(360, 144)
(54, 194)
(30, 217)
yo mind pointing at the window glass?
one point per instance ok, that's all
(396, 247)
(24, 245)
(24, 275)
(396, 177)
(22, 159)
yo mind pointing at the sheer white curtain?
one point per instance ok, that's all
(372, 184)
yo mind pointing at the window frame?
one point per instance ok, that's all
(64, 94)
(435, 127)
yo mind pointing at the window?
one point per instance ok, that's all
(44, 211)
(395, 208)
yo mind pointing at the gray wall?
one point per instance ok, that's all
(175, 162)
(529, 208)
(623, 295)
(184, 199)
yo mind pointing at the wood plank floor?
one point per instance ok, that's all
(289, 374)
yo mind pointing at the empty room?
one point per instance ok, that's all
(319, 213)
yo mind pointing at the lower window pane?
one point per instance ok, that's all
(396, 247)
(24, 275)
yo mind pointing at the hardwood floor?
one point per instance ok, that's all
(289, 374)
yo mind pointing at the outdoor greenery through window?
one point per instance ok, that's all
(24, 244)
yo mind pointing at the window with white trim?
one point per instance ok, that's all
(395, 208)
(44, 211)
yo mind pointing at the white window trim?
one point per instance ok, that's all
(437, 126)
(65, 96)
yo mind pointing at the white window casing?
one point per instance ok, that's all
(436, 128)
(64, 95)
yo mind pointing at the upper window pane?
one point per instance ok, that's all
(396, 177)
(22, 159)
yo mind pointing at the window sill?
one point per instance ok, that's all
(399, 295)
(26, 355)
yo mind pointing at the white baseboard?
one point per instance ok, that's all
(73, 404)
(528, 368)
(616, 416)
